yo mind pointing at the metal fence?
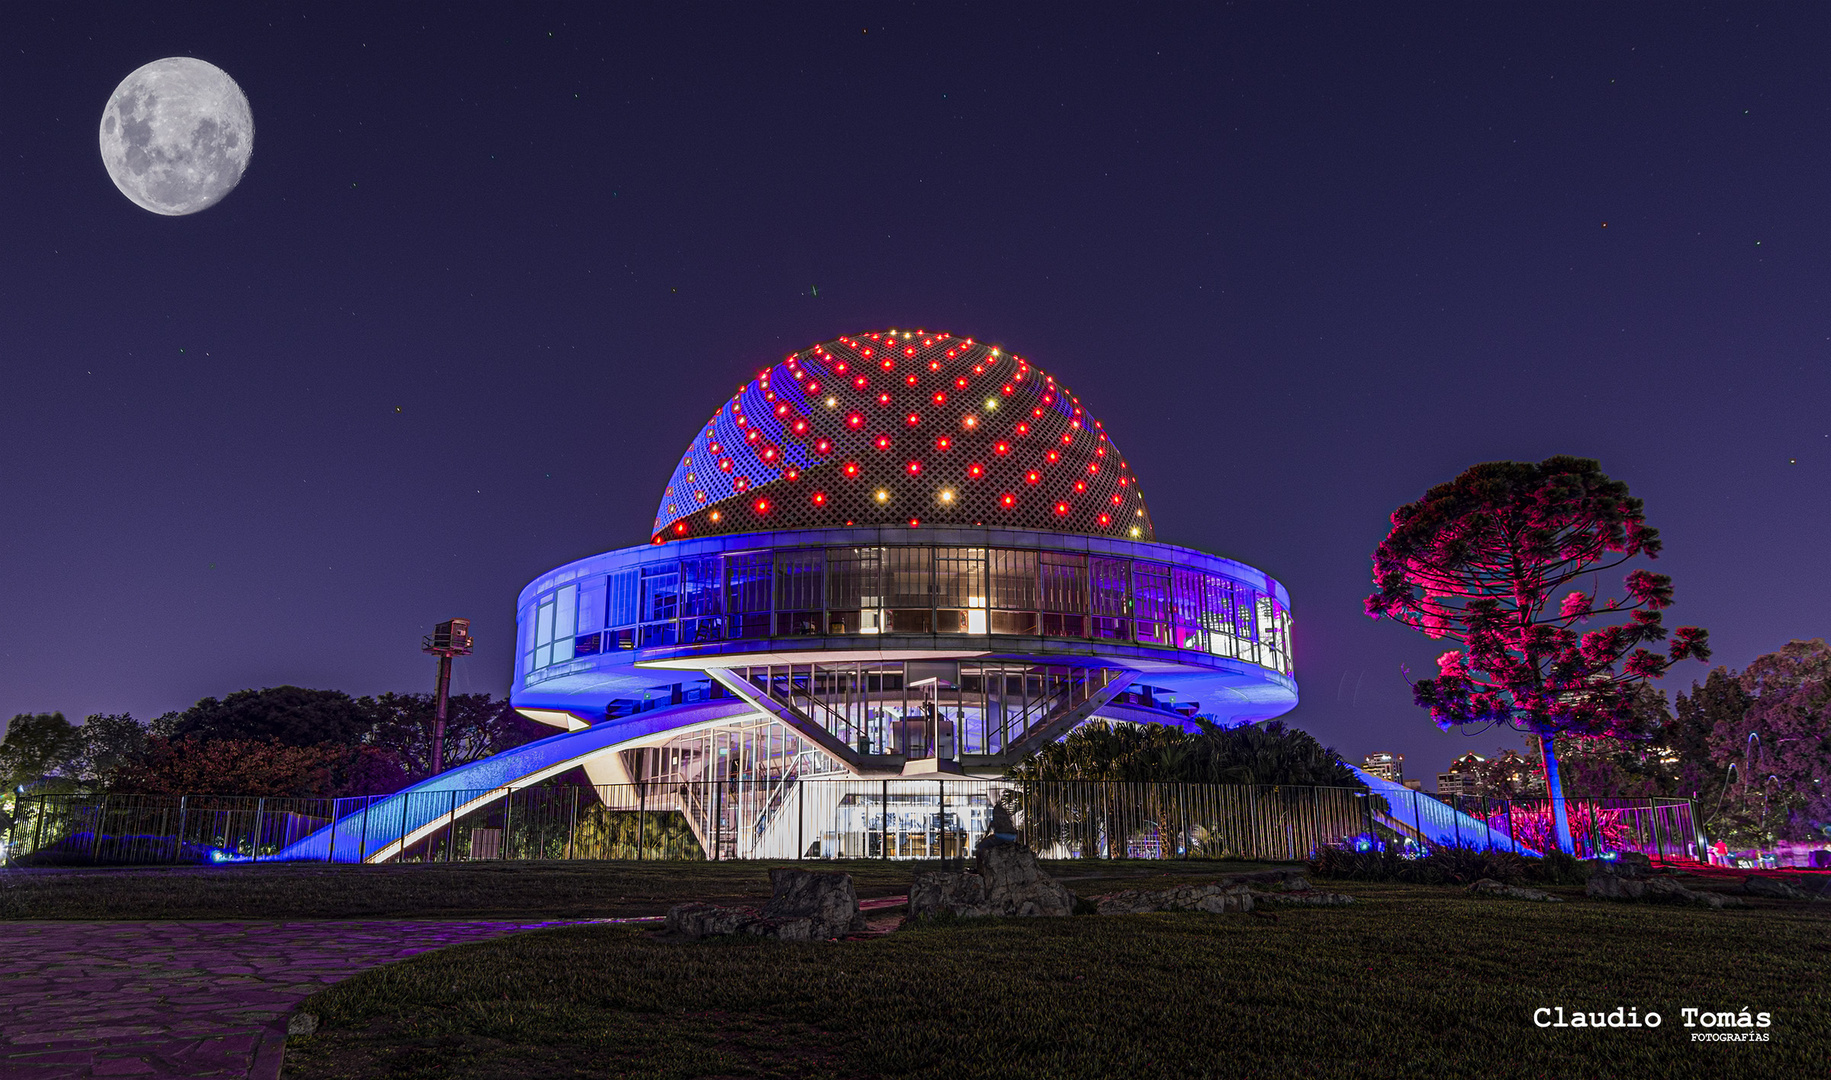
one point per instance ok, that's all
(815, 819)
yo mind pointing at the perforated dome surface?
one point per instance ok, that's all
(907, 428)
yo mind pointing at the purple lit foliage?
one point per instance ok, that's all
(1483, 559)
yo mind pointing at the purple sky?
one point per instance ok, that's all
(492, 266)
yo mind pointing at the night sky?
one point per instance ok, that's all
(492, 266)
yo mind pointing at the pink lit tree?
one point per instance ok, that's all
(1482, 560)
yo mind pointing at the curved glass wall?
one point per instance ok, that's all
(903, 589)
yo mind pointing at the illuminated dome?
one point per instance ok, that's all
(906, 428)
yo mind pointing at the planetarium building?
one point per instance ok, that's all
(888, 559)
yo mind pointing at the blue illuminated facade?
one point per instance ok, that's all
(898, 555)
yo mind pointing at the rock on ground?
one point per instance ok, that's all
(803, 906)
(1656, 890)
(1008, 882)
(1215, 898)
(1773, 888)
(1301, 898)
(1490, 887)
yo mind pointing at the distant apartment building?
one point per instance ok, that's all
(1386, 766)
(1512, 775)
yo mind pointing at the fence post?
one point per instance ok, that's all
(718, 814)
(800, 822)
(451, 825)
(1653, 826)
(641, 818)
(508, 812)
(362, 842)
(572, 826)
(1595, 832)
(95, 831)
(883, 824)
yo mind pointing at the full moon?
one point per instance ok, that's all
(177, 135)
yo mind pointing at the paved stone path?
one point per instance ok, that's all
(192, 999)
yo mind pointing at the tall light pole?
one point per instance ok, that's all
(448, 639)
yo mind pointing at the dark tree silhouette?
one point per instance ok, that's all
(1479, 560)
(291, 715)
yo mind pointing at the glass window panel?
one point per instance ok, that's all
(1012, 582)
(960, 578)
(1063, 582)
(1186, 585)
(622, 599)
(565, 615)
(908, 573)
(1108, 587)
(700, 589)
(854, 578)
(660, 591)
(748, 581)
(1151, 602)
(591, 605)
(543, 627)
(527, 628)
(798, 580)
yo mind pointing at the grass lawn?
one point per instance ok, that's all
(536, 890)
(1414, 981)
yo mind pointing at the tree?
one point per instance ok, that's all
(475, 728)
(258, 767)
(1479, 560)
(292, 715)
(1150, 753)
(38, 745)
(106, 743)
(1719, 701)
(1780, 745)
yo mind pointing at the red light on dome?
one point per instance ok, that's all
(934, 365)
(1023, 429)
(741, 421)
(762, 506)
(819, 498)
(1117, 498)
(752, 436)
(864, 352)
(910, 351)
(699, 496)
(680, 528)
(840, 368)
(1100, 451)
(769, 453)
(970, 421)
(914, 467)
(658, 539)
(742, 483)
(714, 448)
(975, 470)
(793, 474)
(1001, 448)
(725, 464)
(1032, 476)
(889, 364)
(861, 382)
(801, 427)
(1061, 508)
(912, 419)
(1106, 519)
(1125, 481)
(1007, 500)
(979, 369)
(943, 443)
(883, 399)
(813, 388)
(911, 380)
(851, 469)
(824, 446)
(1093, 468)
(1067, 438)
(940, 397)
(882, 442)
(1037, 412)
(1052, 457)
(961, 382)
(914, 522)
(1008, 391)
(855, 420)
(1080, 486)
